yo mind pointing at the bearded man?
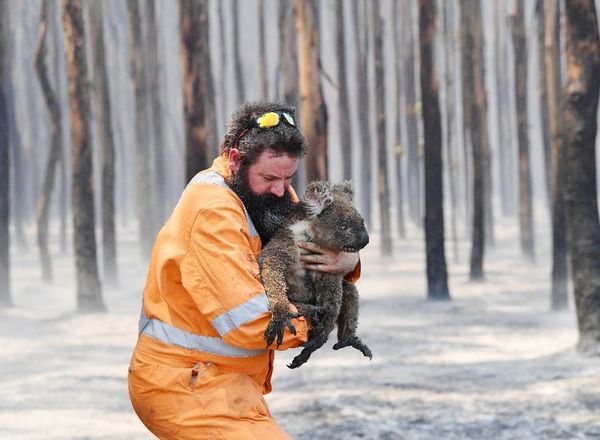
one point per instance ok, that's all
(201, 366)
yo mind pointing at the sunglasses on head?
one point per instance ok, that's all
(273, 119)
(268, 120)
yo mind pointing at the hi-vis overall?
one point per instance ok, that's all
(200, 367)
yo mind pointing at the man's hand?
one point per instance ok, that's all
(327, 260)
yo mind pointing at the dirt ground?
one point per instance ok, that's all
(492, 363)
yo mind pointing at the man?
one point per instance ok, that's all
(201, 365)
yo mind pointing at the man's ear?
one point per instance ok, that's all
(234, 160)
(317, 196)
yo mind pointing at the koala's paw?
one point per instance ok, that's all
(354, 341)
(277, 326)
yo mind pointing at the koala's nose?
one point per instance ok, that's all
(363, 238)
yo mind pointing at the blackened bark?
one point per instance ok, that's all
(578, 165)
(5, 296)
(107, 141)
(473, 98)
(398, 148)
(437, 277)
(237, 57)
(540, 10)
(413, 113)
(313, 109)
(153, 64)
(525, 202)
(361, 44)
(54, 154)
(262, 48)
(89, 290)
(559, 296)
(449, 79)
(342, 101)
(142, 141)
(197, 80)
(382, 178)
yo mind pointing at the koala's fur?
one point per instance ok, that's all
(326, 217)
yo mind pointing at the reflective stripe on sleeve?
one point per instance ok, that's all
(157, 329)
(243, 313)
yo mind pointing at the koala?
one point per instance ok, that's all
(325, 216)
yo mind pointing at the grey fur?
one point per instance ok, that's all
(326, 217)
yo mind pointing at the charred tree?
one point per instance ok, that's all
(361, 44)
(312, 103)
(473, 101)
(578, 165)
(5, 296)
(525, 202)
(240, 93)
(398, 148)
(54, 153)
(262, 50)
(503, 111)
(197, 80)
(153, 64)
(382, 179)
(449, 82)
(107, 142)
(89, 290)
(342, 101)
(413, 113)
(437, 277)
(540, 11)
(142, 122)
(559, 296)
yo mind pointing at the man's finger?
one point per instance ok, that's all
(308, 245)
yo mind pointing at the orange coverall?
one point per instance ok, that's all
(200, 366)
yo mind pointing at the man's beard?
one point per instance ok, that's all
(267, 211)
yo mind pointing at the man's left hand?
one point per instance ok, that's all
(327, 260)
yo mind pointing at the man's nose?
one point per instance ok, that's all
(278, 189)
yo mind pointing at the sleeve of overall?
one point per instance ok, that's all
(352, 277)
(222, 275)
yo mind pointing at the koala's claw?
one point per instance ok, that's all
(277, 326)
(354, 341)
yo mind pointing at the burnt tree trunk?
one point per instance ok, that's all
(142, 141)
(313, 110)
(107, 141)
(240, 93)
(262, 50)
(559, 296)
(540, 10)
(153, 64)
(449, 80)
(473, 99)
(361, 43)
(342, 101)
(54, 154)
(89, 290)
(380, 118)
(413, 113)
(505, 146)
(288, 59)
(437, 276)
(196, 80)
(525, 202)
(578, 165)
(5, 297)
(398, 148)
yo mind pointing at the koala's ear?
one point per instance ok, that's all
(344, 189)
(317, 196)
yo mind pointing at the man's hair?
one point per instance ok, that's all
(251, 140)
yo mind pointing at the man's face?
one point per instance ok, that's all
(263, 188)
